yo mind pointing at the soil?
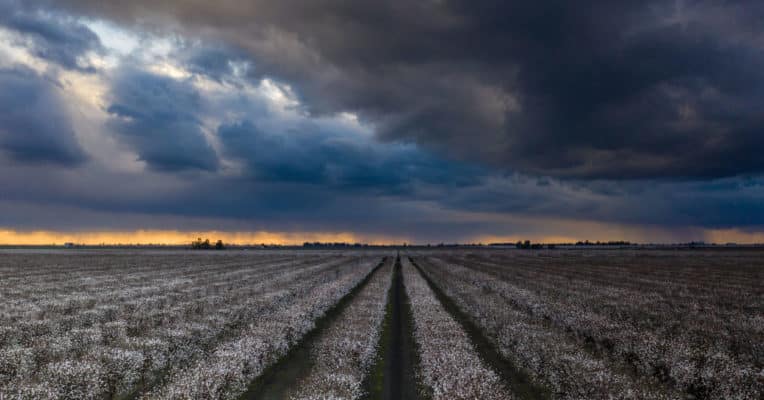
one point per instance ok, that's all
(400, 378)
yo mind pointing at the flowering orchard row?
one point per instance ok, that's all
(580, 324)
(699, 334)
(617, 324)
(450, 368)
(344, 354)
(158, 326)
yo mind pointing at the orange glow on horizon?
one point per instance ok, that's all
(175, 237)
(722, 236)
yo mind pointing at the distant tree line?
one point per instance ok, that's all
(332, 245)
(527, 245)
(608, 243)
(205, 244)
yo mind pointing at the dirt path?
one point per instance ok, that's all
(400, 380)
(277, 380)
(393, 376)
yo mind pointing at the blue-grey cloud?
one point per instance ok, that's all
(600, 89)
(717, 203)
(34, 125)
(159, 118)
(53, 37)
(656, 125)
(311, 154)
(439, 214)
(214, 61)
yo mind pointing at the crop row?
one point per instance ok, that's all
(169, 322)
(551, 360)
(287, 317)
(689, 343)
(343, 356)
(450, 366)
(107, 330)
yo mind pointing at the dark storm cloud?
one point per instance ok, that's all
(34, 126)
(216, 62)
(311, 154)
(159, 118)
(150, 200)
(433, 212)
(721, 203)
(597, 89)
(479, 112)
(53, 37)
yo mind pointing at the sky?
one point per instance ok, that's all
(381, 122)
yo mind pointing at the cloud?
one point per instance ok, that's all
(69, 202)
(34, 126)
(612, 89)
(439, 210)
(432, 120)
(717, 204)
(159, 118)
(53, 37)
(312, 154)
(214, 61)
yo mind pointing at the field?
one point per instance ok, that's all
(427, 324)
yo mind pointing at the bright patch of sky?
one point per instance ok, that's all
(14, 52)
(150, 50)
(279, 94)
(113, 37)
(170, 70)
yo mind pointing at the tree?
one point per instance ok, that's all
(219, 245)
(201, 245)
(523, 245)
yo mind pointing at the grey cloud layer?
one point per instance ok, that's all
(159, 118)
(430, 212)
(34, 125)
(601, 89)
(311, 154)
(53, 37)
(596, 106)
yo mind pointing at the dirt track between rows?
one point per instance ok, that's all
(400, 379)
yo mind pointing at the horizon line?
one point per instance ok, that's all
(174, 237)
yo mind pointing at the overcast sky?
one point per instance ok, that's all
(424, 121)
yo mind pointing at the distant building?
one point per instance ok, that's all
(69, 245)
